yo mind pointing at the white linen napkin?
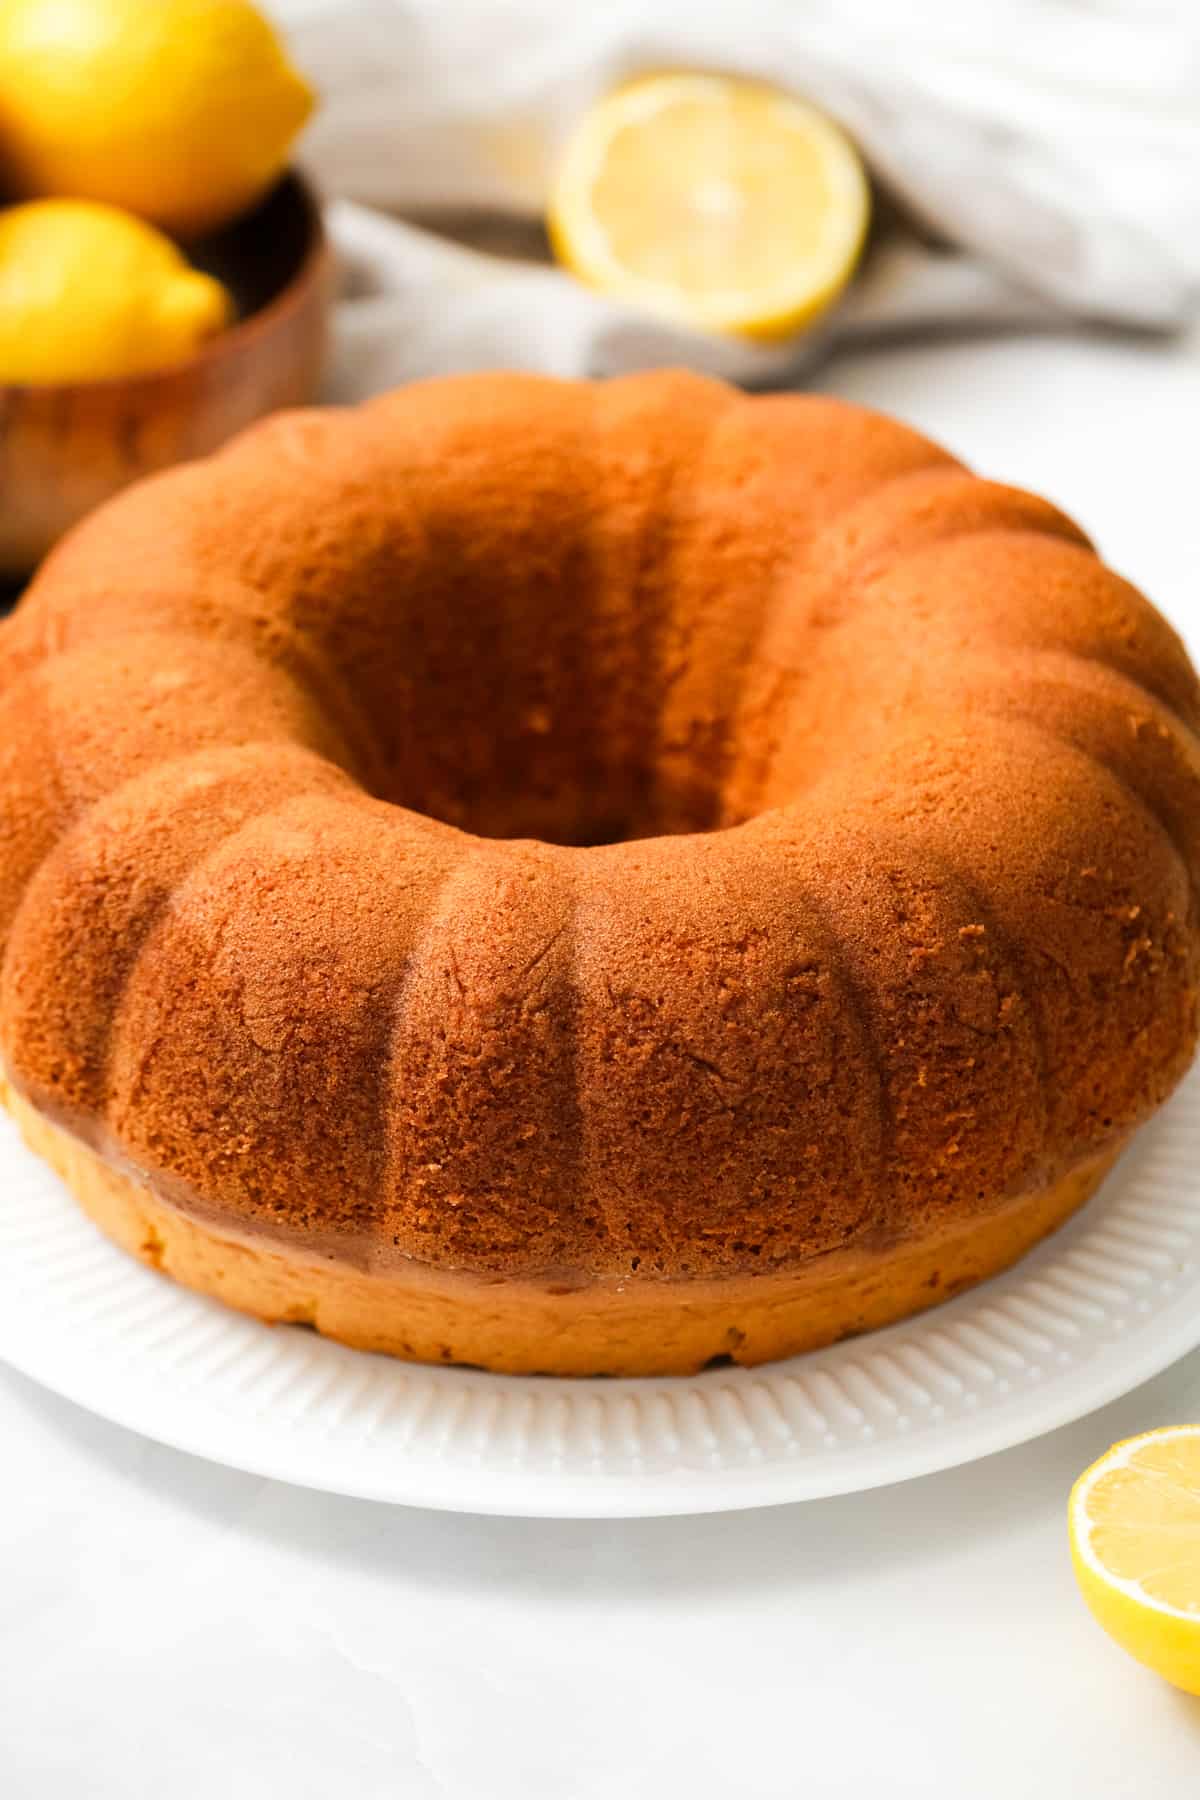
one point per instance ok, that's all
(1044, 155)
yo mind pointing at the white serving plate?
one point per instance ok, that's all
(1109, 1301)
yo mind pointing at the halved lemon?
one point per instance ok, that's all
(723, 204)
(1134, 1520)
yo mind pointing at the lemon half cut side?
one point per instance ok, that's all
(1134, 1522)
(723, 204)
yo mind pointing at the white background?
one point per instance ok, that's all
(170, 1628)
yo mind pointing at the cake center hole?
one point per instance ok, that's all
(560, 789)
(564, 771)
(515, 690)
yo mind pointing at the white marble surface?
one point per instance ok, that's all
(168, 1627)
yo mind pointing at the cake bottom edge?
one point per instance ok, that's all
(618, 1328)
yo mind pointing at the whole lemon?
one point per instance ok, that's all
(87, 292)
(181, 111)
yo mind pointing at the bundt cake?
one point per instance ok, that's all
(590, 878)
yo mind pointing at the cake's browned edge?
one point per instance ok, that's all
(628, 1327)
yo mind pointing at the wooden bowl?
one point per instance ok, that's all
(65, 448)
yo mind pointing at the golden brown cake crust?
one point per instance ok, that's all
(623, 835)
(526, 1328)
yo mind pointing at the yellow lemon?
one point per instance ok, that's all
(1134, 1520)
(87, 292)
(182, 111)
(720, 203)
